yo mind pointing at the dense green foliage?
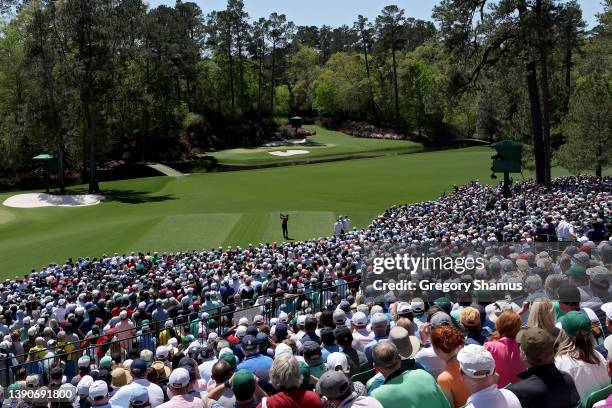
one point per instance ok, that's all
(97, 81)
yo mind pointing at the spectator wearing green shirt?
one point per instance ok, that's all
(314, 358)
(404, 389)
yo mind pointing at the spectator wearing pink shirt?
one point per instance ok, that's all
(505, 350)
(361, 335)
(124, 329)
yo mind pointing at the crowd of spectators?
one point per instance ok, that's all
(288, 324)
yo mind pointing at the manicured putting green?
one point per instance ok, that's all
(325, 144)
(233, 208)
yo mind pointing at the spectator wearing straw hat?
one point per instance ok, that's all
(470, 320)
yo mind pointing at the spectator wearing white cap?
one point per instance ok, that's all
(339, 317)
(82, 389)
(361, 334)
(379, 325)
(161, 354)
(478, 372)
(125, 329)
(98, 394)
(59, 313)
(179, 384)
(301, 321)
(418, 312)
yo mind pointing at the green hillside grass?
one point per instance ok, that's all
(232, 208)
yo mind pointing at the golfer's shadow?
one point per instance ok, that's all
(290, 239)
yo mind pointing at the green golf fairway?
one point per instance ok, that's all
(232, 208)
(326, 144)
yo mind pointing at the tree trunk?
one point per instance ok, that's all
(230, 60)
(568, 71)
(598, 164)
(395, 88)
(90, 123)
(545, 115)
(545, 97)
(536, 121)
(273, 78)
(534, 102)
(146, 119)
(260, 83)
(241, 77)
(54, 119)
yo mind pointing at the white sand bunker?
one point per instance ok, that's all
(288, 152)
(35, 200)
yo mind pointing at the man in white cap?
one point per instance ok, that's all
(361, 334)
(338, 362)
(98, 394)
(478, 373)
(301, 321)
(418, 311)
(59, 313)
(339, 317)
(179, 383)
(125, 329)
(161, 354)
(379, 325)
(83, 391)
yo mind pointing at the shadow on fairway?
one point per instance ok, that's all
(135, 197)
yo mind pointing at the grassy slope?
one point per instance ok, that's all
(235, 208)
(329, 144)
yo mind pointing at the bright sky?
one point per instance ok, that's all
(338, 12)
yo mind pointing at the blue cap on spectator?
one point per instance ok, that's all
(139, 397)
(139, 366)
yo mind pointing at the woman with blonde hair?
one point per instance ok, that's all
(542, 315)
(505, 350)
(576, 354)
(286, 378)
